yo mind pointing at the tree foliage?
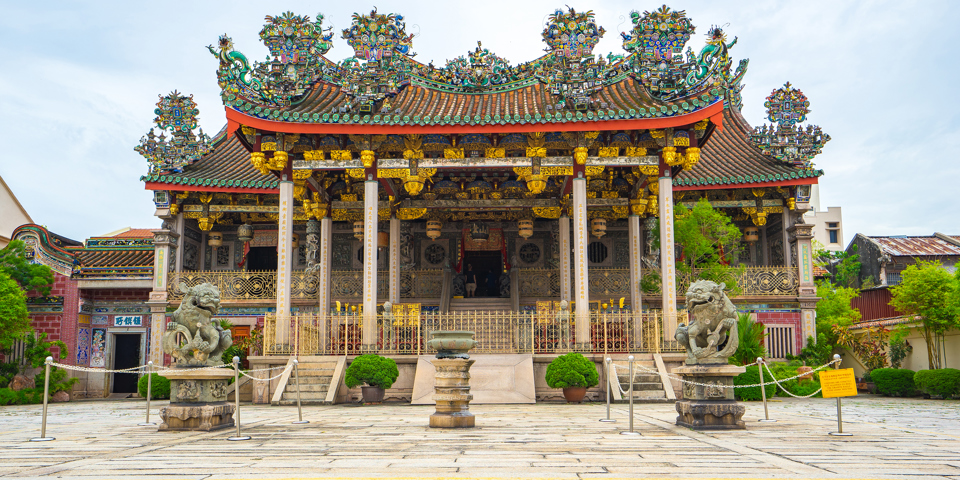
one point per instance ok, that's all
(30, 276)
(709, 242)
(930, 291)
(572, 370)
(751, 335)
(834, 310)
(14, 318)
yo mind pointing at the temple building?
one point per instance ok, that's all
(515, 200)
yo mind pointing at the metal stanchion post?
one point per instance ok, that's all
(609, 363)
(147, 422)
(839, 432)
(630, 393)
(763, 392)
(296, 371)
(46, 398)
(236, 396)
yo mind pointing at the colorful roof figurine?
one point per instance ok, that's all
(789, 141)
(654, 86)
(178, 115)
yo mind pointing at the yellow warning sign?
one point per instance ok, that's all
(838, 383)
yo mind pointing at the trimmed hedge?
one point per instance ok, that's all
(894, 382)
(944, 382)
(372, 370)
(159, 387)
(572, 370)
(750, 377)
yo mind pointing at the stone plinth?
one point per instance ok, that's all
(198, 400)
(452, 395)
(710, 405)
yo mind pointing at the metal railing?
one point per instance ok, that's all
(495, 332)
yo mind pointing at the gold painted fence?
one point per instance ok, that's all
(619, 332)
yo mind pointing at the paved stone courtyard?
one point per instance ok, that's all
(892, 438)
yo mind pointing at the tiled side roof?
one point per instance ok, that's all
(228, 166)
(422, 105)
(916, 246)
(114, 263)
(730, 158)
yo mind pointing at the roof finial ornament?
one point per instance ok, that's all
(789, 141)
(178, 115)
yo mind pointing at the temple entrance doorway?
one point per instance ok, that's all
(488, 266)
(126, 354)
(262, 258)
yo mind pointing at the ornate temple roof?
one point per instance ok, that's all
(120, 256)
(731, 158)
(655, 84)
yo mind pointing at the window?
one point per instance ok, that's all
(893, 278)
(596, 252)
(834, 236)
(833, 225)
(779, 340)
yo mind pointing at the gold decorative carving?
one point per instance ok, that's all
(536, 152)
(174, 209)
(494, 152)
(701, 125)
(356, 173)
(657, 133)
(264, 165)
(268, 147)
(547, 212)
(344, 215)
(670, 156)
(593, 170)
(580, 155)
(681, 141)
(313, 155)
(691, 158)
(410, 213)
(413, 147)
(648, 170)
(609, 195)
(638, 206)
(248, 130)
(636, 152)
(608, 152)
(341, 155)
(453, 153)
(205, 197)
(300, 176)
(652, 207)
(367, 157)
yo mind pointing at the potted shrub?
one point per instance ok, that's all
(574, 374)
(376, 373)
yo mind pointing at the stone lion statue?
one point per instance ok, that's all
(713, 321)
(193, 338)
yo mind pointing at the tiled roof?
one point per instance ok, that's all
(228, 166)
(916, 246)
(114, 263)
(422, 105)
(730, 157)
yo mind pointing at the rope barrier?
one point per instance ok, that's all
(784, 389)
(159, 370)
(262, 379)
(763, 384)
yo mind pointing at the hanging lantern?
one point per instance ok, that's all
(433, 229)
(245, 232)
(358, 229)
(479, 232)
(598, 227)
(295, 241)
(214, 239)
(751, 234)
(383, 239)
(525, 227)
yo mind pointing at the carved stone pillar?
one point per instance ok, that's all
(636, 263)
(324, 262)
(394, 295)
(565, 250)
(668, 266)
(581, 286)
(164, 241)
(803, 238)
(284, 260)
(369, 332)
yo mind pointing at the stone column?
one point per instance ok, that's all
(565, 258)
(163, 242)
(668, 266)
(284, 261)
(370, 211)
(581, 286)
(394, 295)
(636, 263)
(324, 261)
(803, 236)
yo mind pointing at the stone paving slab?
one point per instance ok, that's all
(893, 438)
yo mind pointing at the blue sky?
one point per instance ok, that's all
(79, 82)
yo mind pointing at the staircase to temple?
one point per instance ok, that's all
(647, 383)
(318, 378)
(480, 304)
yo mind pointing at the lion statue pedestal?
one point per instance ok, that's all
(198, 396)
(710, 339)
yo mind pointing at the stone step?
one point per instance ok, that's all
(643, 386)
(310, 380)
(307, 388)
(318, 372)
(639, 378)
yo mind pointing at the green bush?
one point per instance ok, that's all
(751, 340)
(750, 377)
(23, 397)
(159, 387)
(572, 370)
(894, 382)
(800, 389)
(372, 370)
(943, 382)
